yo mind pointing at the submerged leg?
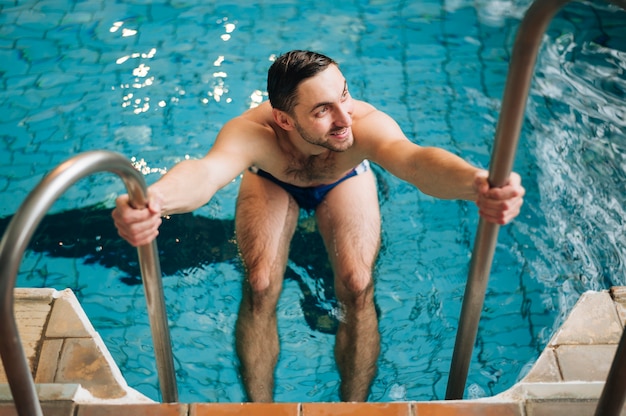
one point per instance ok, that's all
(357, 346)
(265, 222)
(349, 220)
(257, 344)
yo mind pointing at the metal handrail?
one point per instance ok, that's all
(521, 68)
(14, 243)
(614, 392)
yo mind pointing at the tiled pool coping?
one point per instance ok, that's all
(76, 376)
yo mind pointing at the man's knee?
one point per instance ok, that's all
(259, 283)
(260, 296)
(356, 285)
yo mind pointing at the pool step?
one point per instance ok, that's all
(63, 348)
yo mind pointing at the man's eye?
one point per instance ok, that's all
(322, 110)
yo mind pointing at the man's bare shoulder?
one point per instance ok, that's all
(370, 123)
(258, 118)
(250, 137)
(253, 127)
(362, 110)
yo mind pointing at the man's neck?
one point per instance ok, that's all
(300, 147)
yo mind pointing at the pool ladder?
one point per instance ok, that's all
(15, 241)
(521, 67)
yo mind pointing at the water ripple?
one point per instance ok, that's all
(578, 119)
(577, 116)
(588, 77)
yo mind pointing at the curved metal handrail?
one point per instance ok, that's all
(521, 68)
(614, 392)
(14, 243)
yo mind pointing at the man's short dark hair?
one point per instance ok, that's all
(288, 71)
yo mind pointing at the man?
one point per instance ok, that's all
(308, 147)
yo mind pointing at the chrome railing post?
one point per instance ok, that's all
(14, 243)
(521, 69)
(613, 394)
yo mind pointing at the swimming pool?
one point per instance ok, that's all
(156, 80)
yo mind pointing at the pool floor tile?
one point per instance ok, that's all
(252, 409)
(356, 409)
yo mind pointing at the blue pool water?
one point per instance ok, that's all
(155, 80)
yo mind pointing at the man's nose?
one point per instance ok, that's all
(344, 115)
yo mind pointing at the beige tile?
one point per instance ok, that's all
(585, 362)
(560, 408)
(621, 311)
(563, 408)
(31, 315)
(82, 362)
(545, 369)
(35, 294)
(58, 408)
(48, 360)
(46, 392)
(593, 320)
(56, 399)
(67, 319)
(576, 391)
(31, 308)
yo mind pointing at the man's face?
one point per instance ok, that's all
(323, 113)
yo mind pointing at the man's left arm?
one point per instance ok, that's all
(436, 171)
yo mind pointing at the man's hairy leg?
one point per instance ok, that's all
(349, 220)
(357, 346)
(257, 344)
(265, 222)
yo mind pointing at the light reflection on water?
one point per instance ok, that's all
(158, 90)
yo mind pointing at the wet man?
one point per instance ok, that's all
(309, 147)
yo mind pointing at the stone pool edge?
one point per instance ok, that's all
(76, 375)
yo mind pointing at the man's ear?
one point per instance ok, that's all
(283, 119)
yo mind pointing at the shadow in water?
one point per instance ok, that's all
(185, 241)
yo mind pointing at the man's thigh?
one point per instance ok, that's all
(349, 221)
(265, 221)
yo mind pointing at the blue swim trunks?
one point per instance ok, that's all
(311, 196)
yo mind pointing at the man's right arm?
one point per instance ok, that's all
(187, 186)
(184, 188)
